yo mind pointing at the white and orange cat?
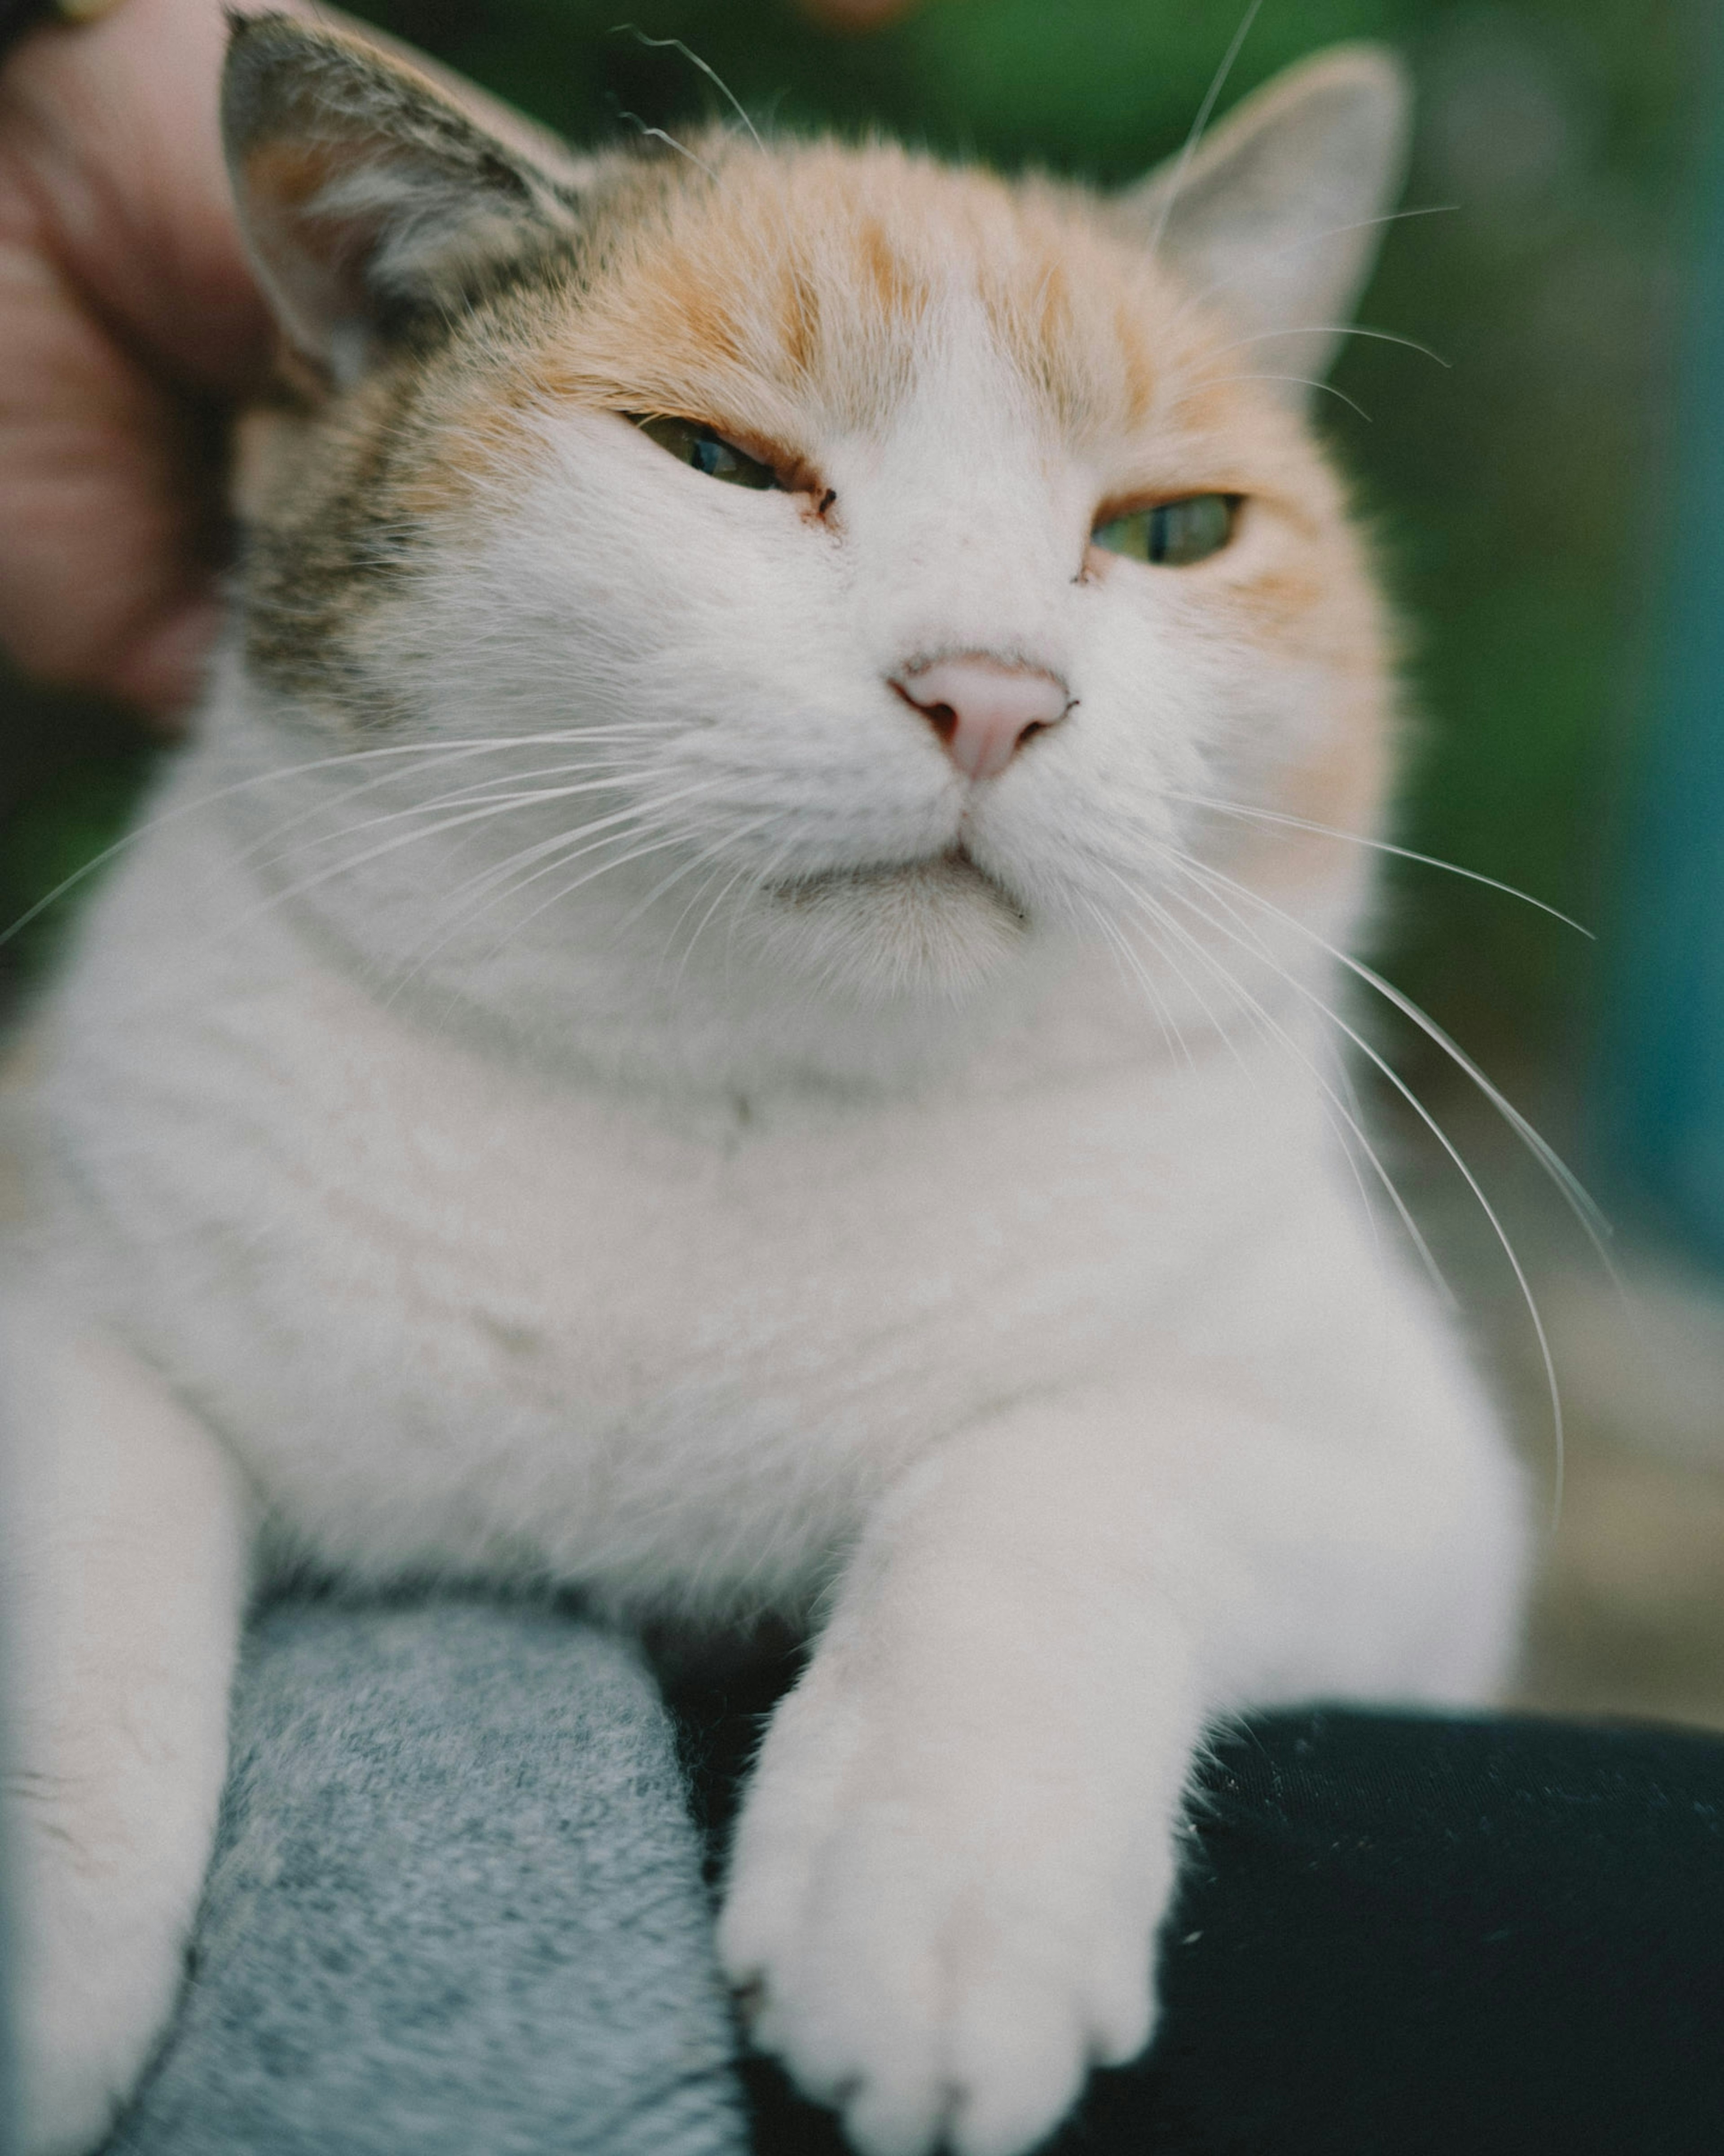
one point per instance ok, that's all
(732, 1011)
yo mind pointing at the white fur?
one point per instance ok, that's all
(746, 1224)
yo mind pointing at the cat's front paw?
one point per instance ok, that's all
(98, 1970)
(939, 1952)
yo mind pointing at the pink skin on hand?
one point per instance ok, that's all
(128, 318)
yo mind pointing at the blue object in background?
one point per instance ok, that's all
(1664, 1105)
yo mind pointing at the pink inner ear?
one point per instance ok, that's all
(312, 261)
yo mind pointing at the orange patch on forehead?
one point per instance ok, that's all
(794, 292)
(901, 290)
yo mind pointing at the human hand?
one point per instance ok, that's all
(128, 322)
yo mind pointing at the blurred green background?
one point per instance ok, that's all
(1518, 492)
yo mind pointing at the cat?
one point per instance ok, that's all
(733, 1011)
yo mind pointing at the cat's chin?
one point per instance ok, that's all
(939, 927)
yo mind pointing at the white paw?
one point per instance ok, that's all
(929, 1947)
(99, 1970)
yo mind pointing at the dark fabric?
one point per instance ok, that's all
(454, 1833)
(1403, 1936)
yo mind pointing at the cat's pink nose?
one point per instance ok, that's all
(982, 708)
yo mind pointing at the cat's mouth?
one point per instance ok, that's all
(951, 875)
(942, 924)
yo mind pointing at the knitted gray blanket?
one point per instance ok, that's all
(456, 1905)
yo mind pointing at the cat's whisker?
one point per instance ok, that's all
(604, 868)
(322, 877)
(1224, 1034)
(481, 893)
(737, 875)
(1579, 1200)
(459, 820)
(1344, 1114)
(524, 795)
(645, 906)
(1382, 1064)
(1375, 845)
(470, 901)
(1172, 1033)
(1346, 1109)
(162, 817)
(158, 818)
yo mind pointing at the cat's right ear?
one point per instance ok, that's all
(368, 198)
(1276, 216)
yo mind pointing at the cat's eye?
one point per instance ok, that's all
(692, 443)
(1173, 534)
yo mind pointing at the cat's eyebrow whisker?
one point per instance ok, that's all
(1375, 845)
(1211, 98)
(725, 91)
(1201, 298)
(1334, 329)
(662, 134)
(1300, 380)
(694, 60)
(1400, 1085)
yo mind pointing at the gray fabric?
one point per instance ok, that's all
(455, 1909)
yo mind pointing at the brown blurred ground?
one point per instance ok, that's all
(1629, 1614)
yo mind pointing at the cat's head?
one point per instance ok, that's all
(795, 577)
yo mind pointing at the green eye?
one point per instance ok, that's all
(1173, 534)
(691, 443)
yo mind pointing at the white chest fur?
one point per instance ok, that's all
(453, 1317)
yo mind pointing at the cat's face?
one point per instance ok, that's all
(872, 569)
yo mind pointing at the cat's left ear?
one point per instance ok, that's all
(367, 197)
(1276, 219)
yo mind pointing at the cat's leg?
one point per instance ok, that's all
(125, 1537)
(963, 1829)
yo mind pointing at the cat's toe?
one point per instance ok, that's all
(935, 2005)
(97, 1972)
